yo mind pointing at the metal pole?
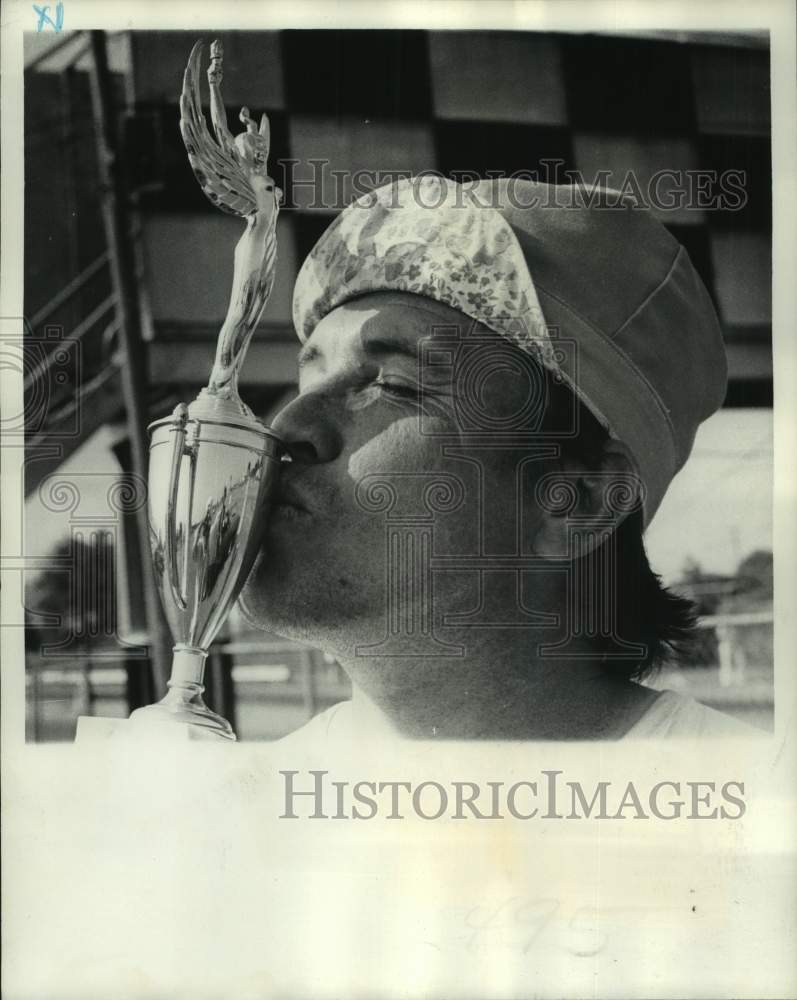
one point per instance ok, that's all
(133, 371)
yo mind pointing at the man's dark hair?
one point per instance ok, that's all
(645, 612)
(648, 624)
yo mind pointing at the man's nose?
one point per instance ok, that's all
(308, 429)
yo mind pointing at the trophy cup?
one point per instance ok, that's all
(213, 463)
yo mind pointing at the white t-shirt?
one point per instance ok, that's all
(670, 716)
(673, 715)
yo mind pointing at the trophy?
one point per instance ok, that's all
(213, 464)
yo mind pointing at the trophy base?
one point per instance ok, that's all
(183, 704)
(193, 714)
(98, 729)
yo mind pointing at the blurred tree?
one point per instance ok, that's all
(753, 592)
(81, 596)
(701, 588)
(47, 594)
(755, 577)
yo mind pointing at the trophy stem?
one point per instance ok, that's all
(188, 667)
(183, 701)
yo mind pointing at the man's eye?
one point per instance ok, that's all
(401, 389)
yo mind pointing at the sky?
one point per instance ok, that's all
(718, 508)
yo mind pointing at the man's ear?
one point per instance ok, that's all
(593, 498)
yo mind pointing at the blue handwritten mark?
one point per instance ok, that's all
(44, 17)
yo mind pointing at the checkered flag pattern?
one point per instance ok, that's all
(462, 103)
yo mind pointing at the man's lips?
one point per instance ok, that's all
(288, 497)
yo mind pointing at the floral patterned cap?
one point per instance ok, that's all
(426, 236)
(648, 356)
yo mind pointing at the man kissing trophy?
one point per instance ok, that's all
(213, 464)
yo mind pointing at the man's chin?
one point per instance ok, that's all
(266, 612)
(265, 592)
(278, 614)
(275, 598)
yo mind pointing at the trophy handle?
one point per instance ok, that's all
(178, 447)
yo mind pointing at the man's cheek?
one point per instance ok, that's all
(512, 397)
(398, 448)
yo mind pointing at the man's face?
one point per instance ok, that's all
(371, 454)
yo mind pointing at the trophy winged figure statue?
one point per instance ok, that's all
(233, 173)
(213, 464)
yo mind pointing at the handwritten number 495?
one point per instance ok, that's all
(44, 17)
